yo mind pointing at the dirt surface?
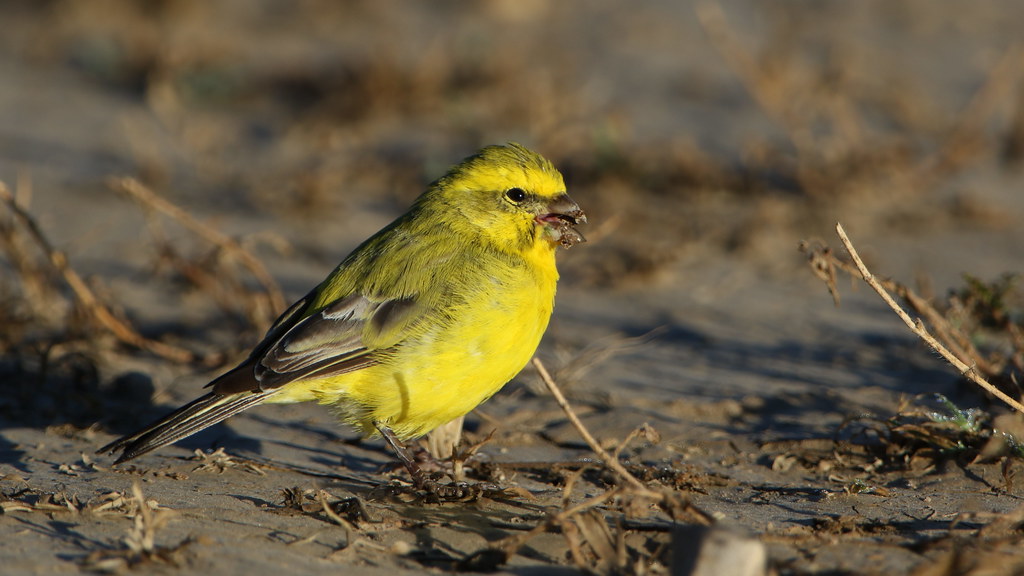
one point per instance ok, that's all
(705, 141)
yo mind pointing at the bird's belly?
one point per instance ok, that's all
(449, 370)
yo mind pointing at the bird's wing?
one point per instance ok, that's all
(339, 338)
(324, 343)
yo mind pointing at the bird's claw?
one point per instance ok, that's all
(431, 490)
(461, 491)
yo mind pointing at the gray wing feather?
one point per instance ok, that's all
(326, 343)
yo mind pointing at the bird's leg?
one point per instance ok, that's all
(449, 492)
(419, 478)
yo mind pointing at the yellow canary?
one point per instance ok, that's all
(422, 322)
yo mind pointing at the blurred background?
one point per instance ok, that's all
(173, 172)
(698, 136)
(742, 126)
(702, 138)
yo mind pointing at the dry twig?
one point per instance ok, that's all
(676, 506)
(824, 263)
(508, 546)
(228, 245)
(918, 327)
(668, 501)
(87, 300)
(603, 454)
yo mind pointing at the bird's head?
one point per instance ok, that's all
(510, 195)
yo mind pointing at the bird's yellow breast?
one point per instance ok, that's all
(450, 367)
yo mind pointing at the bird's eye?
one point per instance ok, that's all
(516, 195)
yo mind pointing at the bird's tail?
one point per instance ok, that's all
(185, 421)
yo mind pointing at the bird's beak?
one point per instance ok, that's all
(561, 216)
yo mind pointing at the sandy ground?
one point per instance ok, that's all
(301, 130)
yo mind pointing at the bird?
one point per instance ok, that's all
(421, 323)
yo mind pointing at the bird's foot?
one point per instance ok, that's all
(424, 482)
(459, 491)
(437, 491)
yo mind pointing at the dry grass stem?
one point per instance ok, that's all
(670, 502)
(603, 454)
(37, 285)
(142, 538)
(579, 525)
(333, 516)
(139, 545)
(228, 245)
(770, 95)
(576, 366)
(824, 263)
(917, 326)
(772, 84)
(966, 139)
(220, 461)
(510, 544)
(86, 298)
